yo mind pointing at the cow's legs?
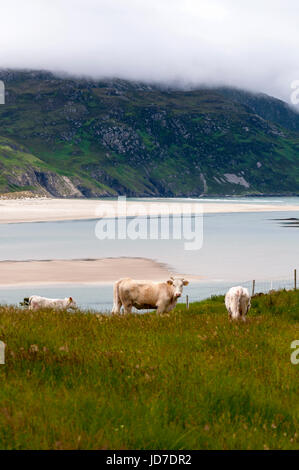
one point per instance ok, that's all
(116, 308)
(244, 312)
(161, 308)
(128, 308)
(170, 307)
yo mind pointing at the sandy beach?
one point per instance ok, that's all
(98, 271)
(106, 270)
(47, 209)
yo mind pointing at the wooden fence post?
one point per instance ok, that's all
(253, 288)
(187, 302)
(295, 279)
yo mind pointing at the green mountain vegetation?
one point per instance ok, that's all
(76, 137)
(190, 379)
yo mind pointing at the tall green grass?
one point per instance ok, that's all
(186, 380)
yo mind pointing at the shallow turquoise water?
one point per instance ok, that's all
(237, 247)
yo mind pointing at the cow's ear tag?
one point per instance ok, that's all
(169, 282)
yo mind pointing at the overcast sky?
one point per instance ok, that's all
(250, 44)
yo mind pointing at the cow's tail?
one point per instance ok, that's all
(116, 298)
(240, 309)
(236, 305)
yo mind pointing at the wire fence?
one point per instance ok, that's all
(254, 287)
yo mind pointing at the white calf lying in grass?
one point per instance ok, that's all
(237, 302)
(35, 302)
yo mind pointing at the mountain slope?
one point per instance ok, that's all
(22, 171)
(85, 138)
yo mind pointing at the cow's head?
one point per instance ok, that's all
(177, 283)
(71, 303)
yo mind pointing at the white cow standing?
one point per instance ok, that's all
(237, 302)
(35, 302)
(162, 296)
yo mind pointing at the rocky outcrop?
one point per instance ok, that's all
(234, 179)
(45, 183)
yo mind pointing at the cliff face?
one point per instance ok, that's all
(79, 138)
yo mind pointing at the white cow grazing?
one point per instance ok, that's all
(162, 296)
(237, 302)
(36, 302)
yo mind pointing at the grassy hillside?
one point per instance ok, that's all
(186, 380)
(117, 137)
